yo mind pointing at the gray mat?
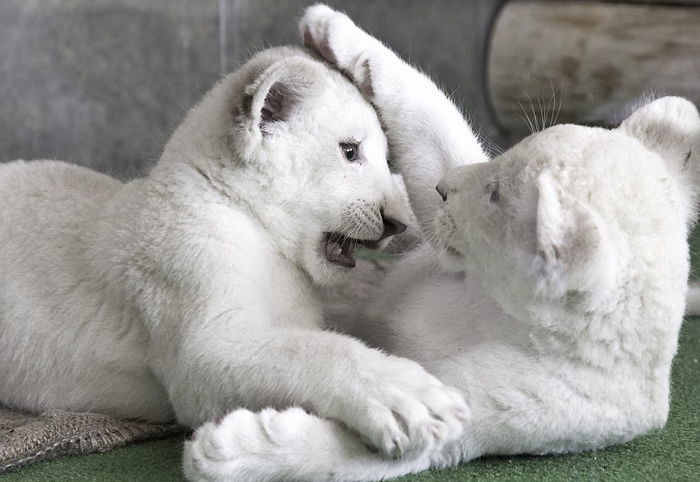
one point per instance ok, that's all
(25, 438)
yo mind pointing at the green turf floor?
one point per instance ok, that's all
(669, 454)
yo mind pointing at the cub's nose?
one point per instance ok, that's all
(441, 191)
(391, 227)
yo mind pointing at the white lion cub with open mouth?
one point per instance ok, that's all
(191, 292)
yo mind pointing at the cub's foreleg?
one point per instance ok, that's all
(392, 402)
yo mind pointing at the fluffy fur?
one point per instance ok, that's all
(560, 295)
(192, 291)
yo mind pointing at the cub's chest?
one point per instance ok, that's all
(292, 301)
(277, 290)
(254, 276)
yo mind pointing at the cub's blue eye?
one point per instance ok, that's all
(350, 150)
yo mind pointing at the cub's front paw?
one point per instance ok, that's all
(405, 411)
(338, 40)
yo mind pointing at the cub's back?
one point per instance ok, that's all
(60, 328)
(53, 186)
(46, 208)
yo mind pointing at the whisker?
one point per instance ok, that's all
(553, 103)
(534, 115)
(539, 103)
(528, 122)
(431, 234)
(561, 102)
(491, 147)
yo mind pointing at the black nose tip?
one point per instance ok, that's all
(392, 227)
(441, 191)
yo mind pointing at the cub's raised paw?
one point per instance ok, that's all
(408, 412)
(322, 29)
(338, 40)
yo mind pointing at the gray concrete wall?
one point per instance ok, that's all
(103, 83)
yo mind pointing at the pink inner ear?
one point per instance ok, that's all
(277, 104)
(366, 85)
(323, 48)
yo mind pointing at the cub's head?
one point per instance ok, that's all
(306, 154)
(579, 216)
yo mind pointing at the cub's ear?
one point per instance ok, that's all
(573, 251)
(669, 126)
(275, 95)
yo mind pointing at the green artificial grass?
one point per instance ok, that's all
(695, 254)
(666, 455)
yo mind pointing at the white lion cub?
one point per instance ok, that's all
(558, 307)
(191, 292)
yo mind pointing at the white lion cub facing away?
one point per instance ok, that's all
(191, 292)
(559, 314)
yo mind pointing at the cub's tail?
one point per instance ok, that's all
(285, 445)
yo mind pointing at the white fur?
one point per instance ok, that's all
(559, 301)
(192, 291)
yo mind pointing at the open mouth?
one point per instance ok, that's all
(340, 248)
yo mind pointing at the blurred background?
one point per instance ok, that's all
(103, 83)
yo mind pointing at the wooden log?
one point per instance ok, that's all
(590, 62)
